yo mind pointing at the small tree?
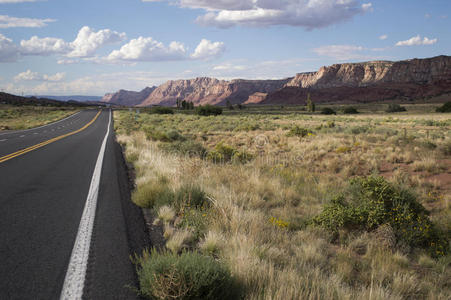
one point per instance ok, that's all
(229, 105)
(191, 106)
(184, 105)
(310, 104)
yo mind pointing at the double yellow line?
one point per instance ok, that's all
(29, 149)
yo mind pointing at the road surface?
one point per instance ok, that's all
(51, 194)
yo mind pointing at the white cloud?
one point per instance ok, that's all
(35, 76)
(383, 37)
(310, 14)
(8, 50)
(148, 49)
(88, 41)
(10, 22)
(417, 40)
(208, 49)
(85, 45)
(44, 46)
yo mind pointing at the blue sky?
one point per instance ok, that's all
(84, 47)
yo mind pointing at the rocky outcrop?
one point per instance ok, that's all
(205, 90)
(369, 81)
(350, 82)
(128, 98)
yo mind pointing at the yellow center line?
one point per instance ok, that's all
(37, 146)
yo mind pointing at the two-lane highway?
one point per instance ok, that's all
(48, 177)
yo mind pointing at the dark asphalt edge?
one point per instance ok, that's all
(135, 225)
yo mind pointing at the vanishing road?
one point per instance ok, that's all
(67, 226)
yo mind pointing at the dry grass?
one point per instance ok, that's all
(18, 118)
(258, 210)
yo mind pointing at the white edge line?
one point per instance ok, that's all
(20, 131)
(76, 272)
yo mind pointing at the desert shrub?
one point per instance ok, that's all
(394, 107)
(350, 110)
(189, 148)
(190, 275)
(161, 110)
(328, 111)
(359, 129)
(445, 108)
(129, 124)
(299, 131)
(153, 194)
(445, 148)
(372, 202)
(158, 135)
(208, 110)
(191, 195)
(224, 153)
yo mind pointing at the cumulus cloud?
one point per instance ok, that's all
(86, 44)
(35, 76)
(44, 46)
(383, 37)
(88, 41)
(310, 14)
(208, 49)
(8, 50)
(417, 40)
(11, 22)
(147, 49)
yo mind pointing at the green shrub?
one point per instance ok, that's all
(224, 153)
(328, 111)
(208, 110)
(153, 194)
(161, 110)
(157, 135)
(299, 131)
(190, 148)
(191, 195)
(372, 202)
(394, 107)
(445, 108)
(188, 276)
(350, 110)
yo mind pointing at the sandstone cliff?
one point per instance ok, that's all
(128, 98)
(370, 81)
(206, 90)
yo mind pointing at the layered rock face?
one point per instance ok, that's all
(206, 90)
(370, 81)
(350, 82)
(128, 98)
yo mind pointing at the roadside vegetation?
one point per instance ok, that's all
(25, 117)
(278, 205)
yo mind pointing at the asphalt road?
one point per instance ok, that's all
(43, 193)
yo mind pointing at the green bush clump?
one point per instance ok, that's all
(372, 202)
(350, 110)
(190, 148)
(224, 153)
(445, 108)
(208, 110)
(191, 195)
(153, 194)
(394, 107)
(299, 131)
(161, 110)
(158, 135)
(328, 111)
(190, 275)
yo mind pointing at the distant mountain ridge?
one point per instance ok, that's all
(348, 82)
(73, 98)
